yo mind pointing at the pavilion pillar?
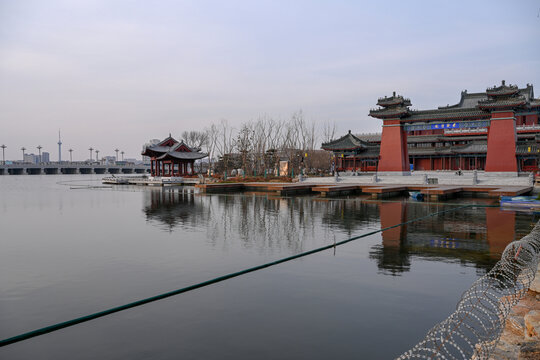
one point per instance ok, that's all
(394, 157)
(502, 136)
(151, 167)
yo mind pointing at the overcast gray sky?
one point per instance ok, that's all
(117, 73)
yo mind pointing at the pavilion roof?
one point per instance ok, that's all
(502, 90)
(346, 142)
(182, 155)
(391, 112)
(170, 147)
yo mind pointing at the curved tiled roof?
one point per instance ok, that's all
(160, 152)
(388, 112)
(510, 102)
(183, 155)
(453, 113)
(347, 142)
(393, 101)
(467, 101)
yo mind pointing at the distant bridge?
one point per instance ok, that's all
(71, 168)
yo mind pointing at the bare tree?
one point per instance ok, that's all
(328, 131)
(212, 134)
(225, 143)
(194, 139)
(244, 143)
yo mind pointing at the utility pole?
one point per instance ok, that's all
(91, 153)
(97, 155)
(39, 147)
(23, 148)
(116, 153)
(3, 153)
(70, 158)
(122, 155)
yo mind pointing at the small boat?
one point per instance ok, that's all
(417, 195)
(527, 203)
(114, 180)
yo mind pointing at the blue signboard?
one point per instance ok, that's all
(445, 126)
(448, 125)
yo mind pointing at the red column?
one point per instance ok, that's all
(501, 152)
(394, 156)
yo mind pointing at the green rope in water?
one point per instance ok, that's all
(82, 319)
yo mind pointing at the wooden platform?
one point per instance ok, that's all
(434, 192)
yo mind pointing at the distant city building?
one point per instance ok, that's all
(132, 161)
(31, 159)
(45, 157)
(109, 160)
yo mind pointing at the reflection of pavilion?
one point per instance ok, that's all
(455, 236)
(172, 207)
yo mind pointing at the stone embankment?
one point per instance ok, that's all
(521, 336)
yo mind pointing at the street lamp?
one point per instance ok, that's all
(97, 155)
(122, 155)
(39, 147)
(116, 153)
(70, 158)
(23, 148)
(91, 153)
(3, 153)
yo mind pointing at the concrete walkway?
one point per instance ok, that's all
(424, 177)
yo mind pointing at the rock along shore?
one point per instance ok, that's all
(521, 336)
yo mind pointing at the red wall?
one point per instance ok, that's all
(501, 156)
(393, 154)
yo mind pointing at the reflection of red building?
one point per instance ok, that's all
(172, 158)
(393, 213)
(495, 131)
(500, 229)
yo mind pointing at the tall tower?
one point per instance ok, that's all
(59, 147)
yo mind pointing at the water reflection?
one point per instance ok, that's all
(472, 237)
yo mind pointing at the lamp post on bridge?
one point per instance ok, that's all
(23, 148)
(116, 150)
(91, 153)
(122, 155)
(70, 158)
(97, 155)
(3, 153)
(39, 147)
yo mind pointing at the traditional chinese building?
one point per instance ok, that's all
(172, 158)
(497, 131)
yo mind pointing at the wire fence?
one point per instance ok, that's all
(474, 329)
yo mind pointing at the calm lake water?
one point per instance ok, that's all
(69, 250)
